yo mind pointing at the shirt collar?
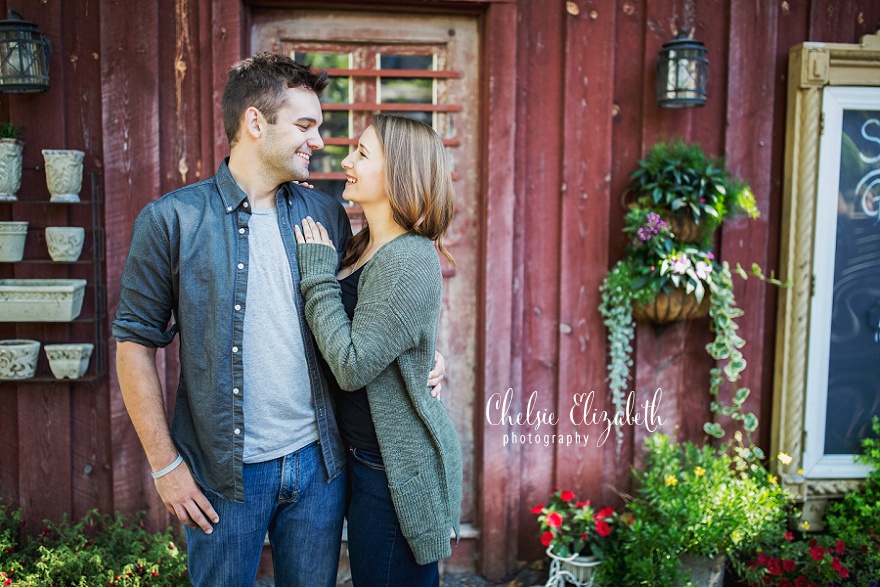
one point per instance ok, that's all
(233, 196)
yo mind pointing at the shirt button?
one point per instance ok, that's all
(237, 430)
(229, 209)
(235, 349)
(235, 390)
(245, 204)
(240, 231)
(237, 307)
(241, 265)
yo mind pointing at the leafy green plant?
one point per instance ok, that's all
(9, 131)
(679, 178)
(721, 500)
(100, 549)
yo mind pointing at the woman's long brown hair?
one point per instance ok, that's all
(417, 179)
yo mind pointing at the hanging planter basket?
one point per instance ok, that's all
(685, 228)
(676, 306)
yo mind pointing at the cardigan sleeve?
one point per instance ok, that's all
(395, 299)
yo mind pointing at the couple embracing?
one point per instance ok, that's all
(305, 394)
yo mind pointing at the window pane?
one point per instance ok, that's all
(855, 312)
(336, 124)
(394, 90)
(339, 88)
(328, 159)
(321, 60)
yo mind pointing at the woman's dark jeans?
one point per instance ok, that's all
(377, 550)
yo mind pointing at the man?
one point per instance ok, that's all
(253, 447)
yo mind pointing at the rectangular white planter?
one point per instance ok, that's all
(41, 300)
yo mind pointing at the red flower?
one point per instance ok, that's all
(554, 520)
(546, 538)
(582, 504)
(538, 508)
(567, 495)
(813, 542)
(604, 513)
(789, 536)
(584, 536)
(844, 573)
(840, 546)
(763, 559)
(817, 552)
(602, 527)
(835, 564)
(801, 582)
(788, 565)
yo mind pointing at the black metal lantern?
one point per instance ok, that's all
(24, 56)
(682, 73)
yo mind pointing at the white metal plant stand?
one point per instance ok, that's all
(577, 570)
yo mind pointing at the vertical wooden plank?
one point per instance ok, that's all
(584, 235)
(227, 46)
(538, 181)
(89, 406)
(129, 89)
(9, 447)
(750, 142)
(627, 117)
(500, 483)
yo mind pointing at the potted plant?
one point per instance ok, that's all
(847, 552)
(693, 192)
(663, 278)
(11, 147)
(576, 537)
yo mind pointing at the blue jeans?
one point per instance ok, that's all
(379, 554)
(291, 499)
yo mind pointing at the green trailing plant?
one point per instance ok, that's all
(100, 549)
(679, 179)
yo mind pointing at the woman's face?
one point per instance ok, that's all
(365, 171)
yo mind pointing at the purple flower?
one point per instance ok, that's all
(703, 270)
(652, 227)
(680, 263)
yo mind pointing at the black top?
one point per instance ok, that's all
(352, 407)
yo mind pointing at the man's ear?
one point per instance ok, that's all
(254, 123)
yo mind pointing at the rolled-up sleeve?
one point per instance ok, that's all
(146, 296)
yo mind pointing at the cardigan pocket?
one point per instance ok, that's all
(416, 508)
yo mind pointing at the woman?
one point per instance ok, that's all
(376, 325)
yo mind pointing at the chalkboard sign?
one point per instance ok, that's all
(854, 353)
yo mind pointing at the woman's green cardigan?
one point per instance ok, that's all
(388, 347)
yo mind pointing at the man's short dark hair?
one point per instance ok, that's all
(261, 81)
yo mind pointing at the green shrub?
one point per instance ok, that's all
(100, 549)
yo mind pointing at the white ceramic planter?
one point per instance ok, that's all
(65, 243)
(41, 300)
(64, 170)
(12, 237)
(18, 358)
(69, 361)
(10, 168)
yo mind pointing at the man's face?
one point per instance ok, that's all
(289, 143)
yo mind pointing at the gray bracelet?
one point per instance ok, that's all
(169, 468)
